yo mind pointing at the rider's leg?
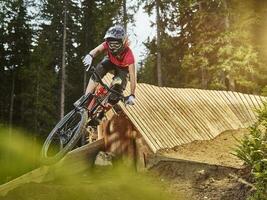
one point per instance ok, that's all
(121, 73)
(91, 86)
(101, 69)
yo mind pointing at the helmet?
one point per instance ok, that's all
(116, 39)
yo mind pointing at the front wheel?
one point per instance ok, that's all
(64, 136)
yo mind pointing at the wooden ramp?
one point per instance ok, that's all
(74, 162)
(168, 117)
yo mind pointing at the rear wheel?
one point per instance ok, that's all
(64, 136)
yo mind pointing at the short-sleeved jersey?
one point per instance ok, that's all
(122, 60)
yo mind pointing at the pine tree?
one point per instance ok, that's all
(17, 56)
(210, 45)
(40, 95)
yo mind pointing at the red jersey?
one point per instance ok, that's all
(124, 59)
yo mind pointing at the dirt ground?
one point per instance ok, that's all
(205, 170)
(217, 151)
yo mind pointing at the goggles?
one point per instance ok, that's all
(114, 45)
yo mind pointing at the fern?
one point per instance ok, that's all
(252, 149)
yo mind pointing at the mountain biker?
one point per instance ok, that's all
(119, 58)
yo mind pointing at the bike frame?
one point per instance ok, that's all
(94, 100)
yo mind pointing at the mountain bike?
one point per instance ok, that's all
(72, 127)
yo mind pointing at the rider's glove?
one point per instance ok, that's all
(130, 100)
(87, 61)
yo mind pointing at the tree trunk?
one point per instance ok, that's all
(204, 82)
(63, 72)
(125, 17)
(231, 80)
(226, 19)
(159, 74)
(12, 100)
(37, 92)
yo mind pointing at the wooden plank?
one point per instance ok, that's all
(194, 113)
(159, 117)
(187, 130)
(215, 108)
(223, 102)
(48, 173)
(226, 112)
(245, 103)
(144, 128)
(235, 99)
(171, 134)
(231, 108)
(171, 116)
(188, 111)
(154, 146)
(253, 98)
(163, 125)
(202, 110)
(213, 115)
(176, 118)
(198, 109)
(148, 113)
(177, 108)
(252, 106)
(35, 176)
(141, 111)
(206, 110)
(234, 105)
(259, 101)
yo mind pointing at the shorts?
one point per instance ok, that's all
(106, 66)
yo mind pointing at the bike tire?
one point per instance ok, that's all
(48, 160)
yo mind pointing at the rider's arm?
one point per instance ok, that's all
(99, 49)
(132, 78)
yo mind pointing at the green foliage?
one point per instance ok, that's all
(210, 44)
(16, 38)
(39, 97)
(264, 91)
(253, 150)
(23, 149)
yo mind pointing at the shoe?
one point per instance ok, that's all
(104, 158)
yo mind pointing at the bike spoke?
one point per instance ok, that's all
(61, 145)
(66, 132)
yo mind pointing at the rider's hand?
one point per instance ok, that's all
(130, 100)
(87, 61)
